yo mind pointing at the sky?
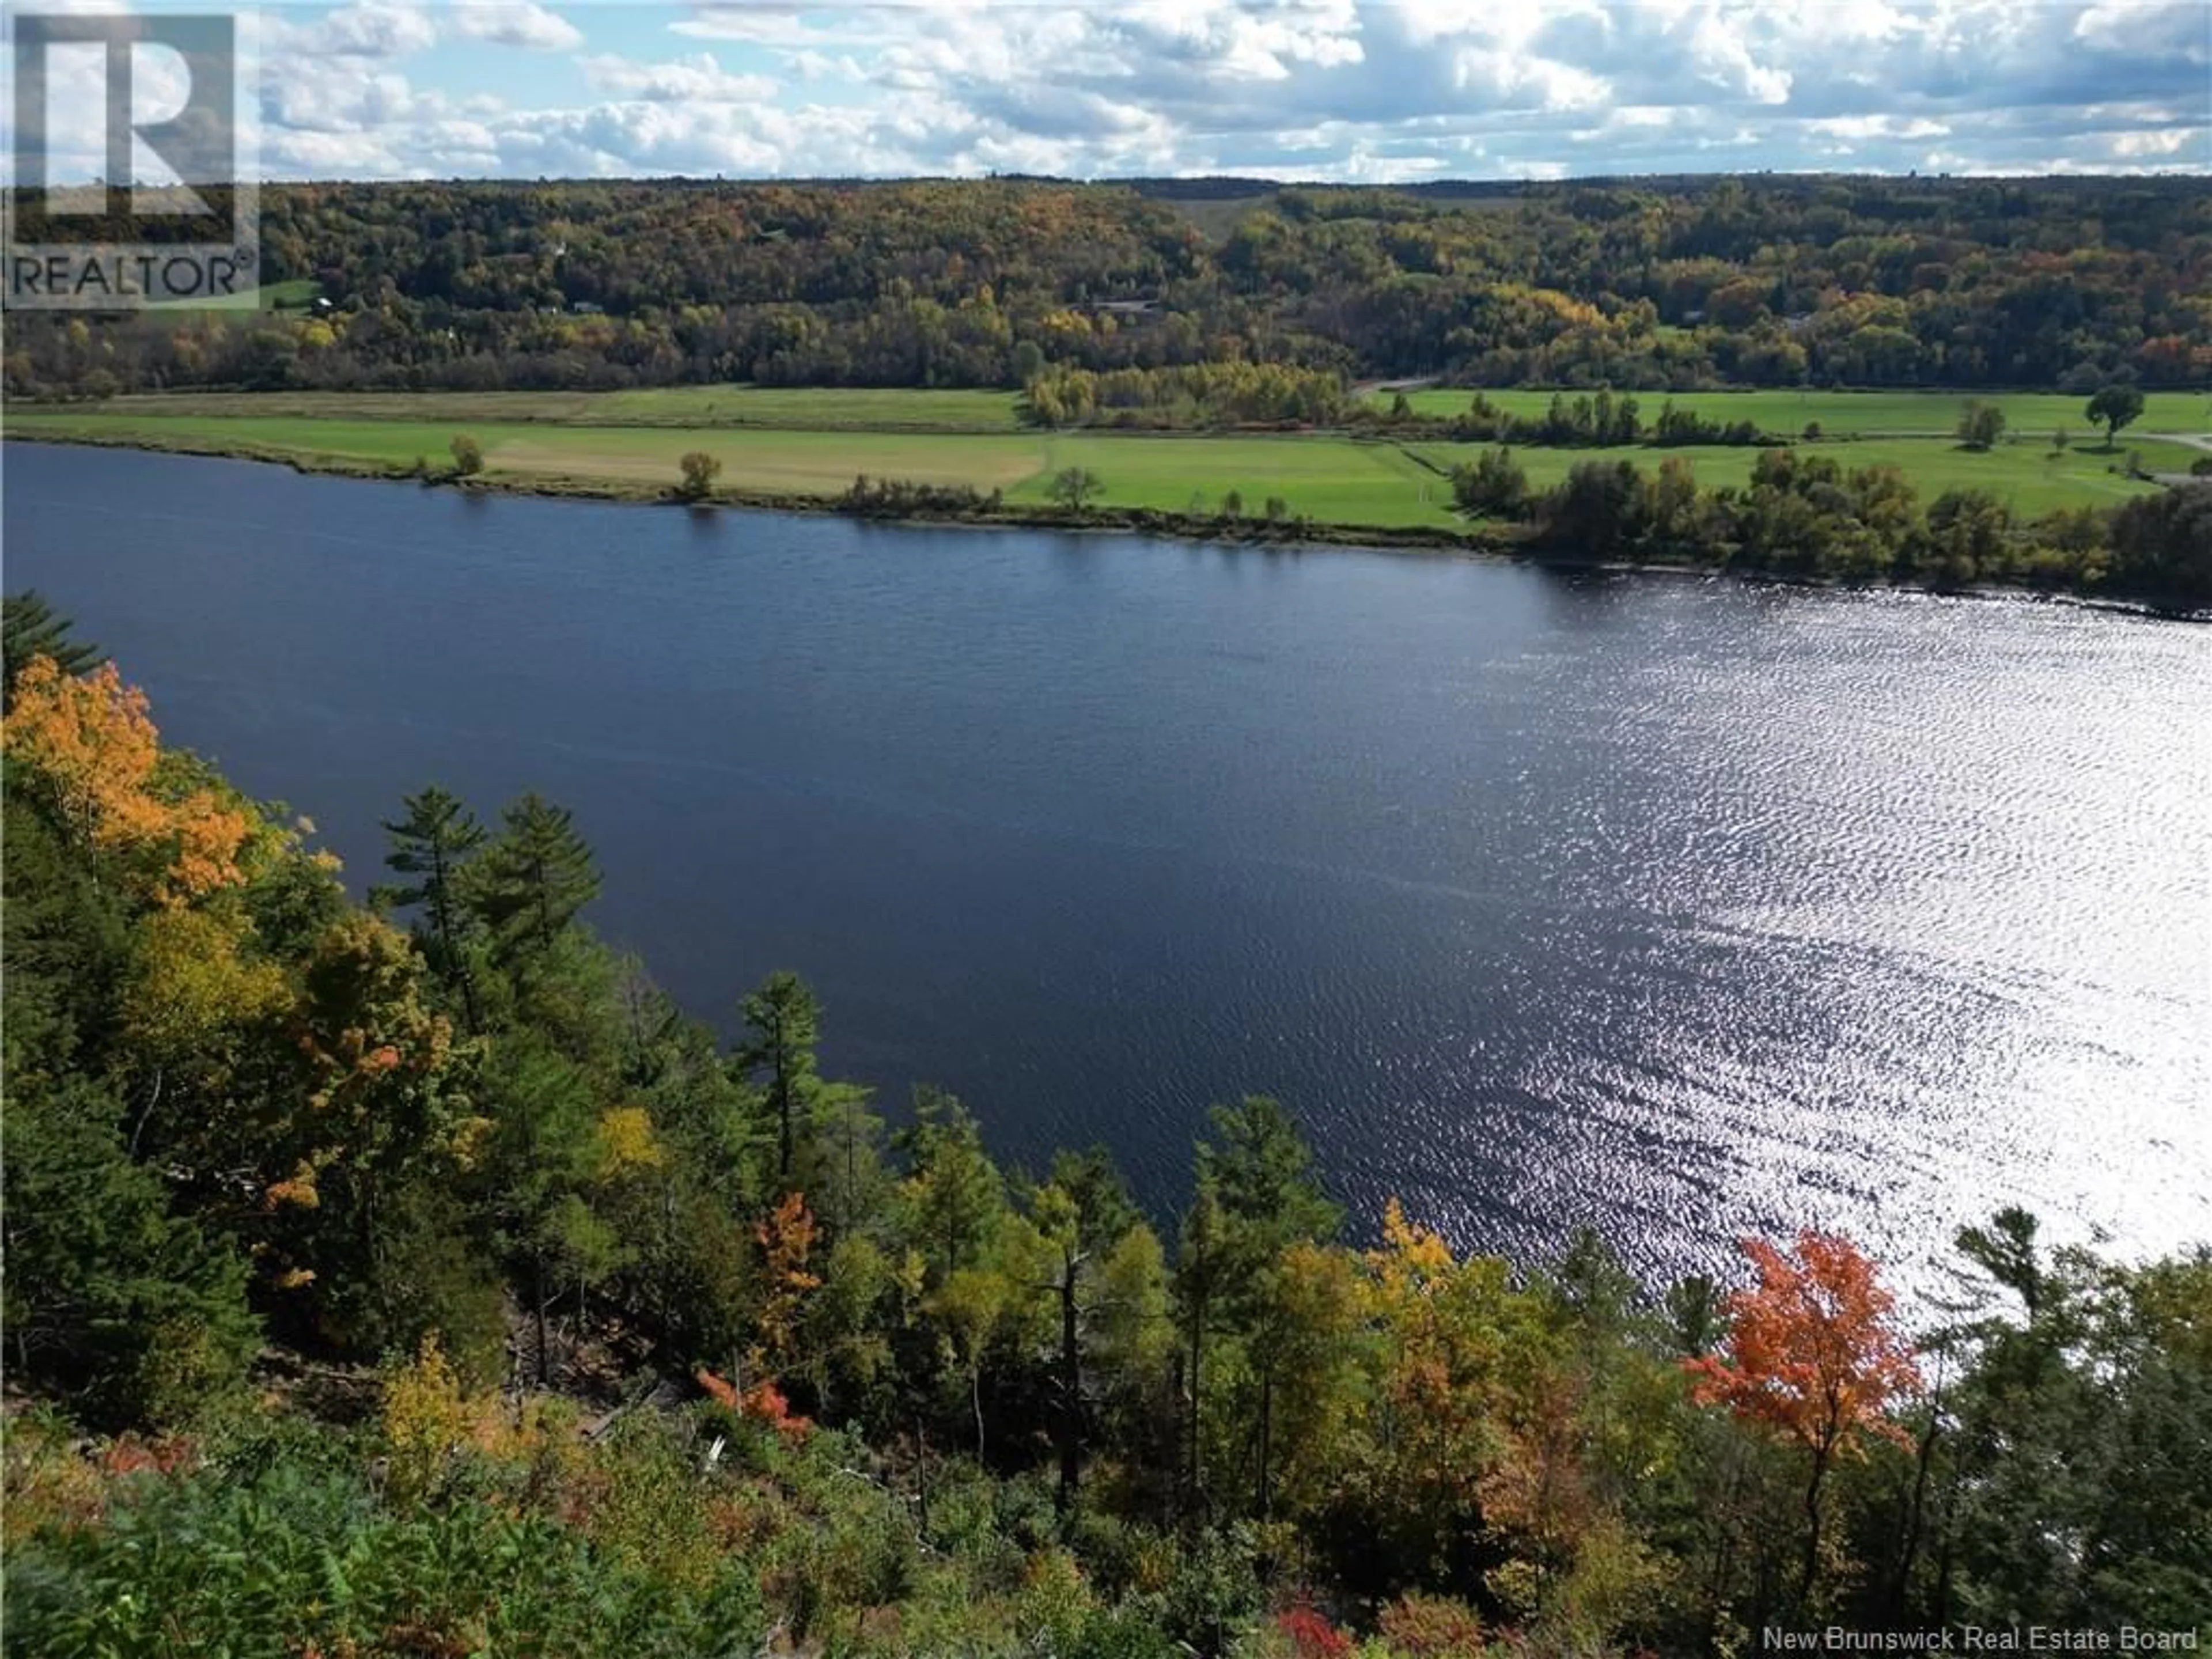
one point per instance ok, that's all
(1355, 91)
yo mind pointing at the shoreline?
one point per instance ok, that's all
(1515, 544)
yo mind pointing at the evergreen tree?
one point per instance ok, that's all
(109, 1297)
(955, 1196)
(1260, 1170)
(1198, 1279)
(545, 1147)
(29, 627)
(434, 844)
(784, 1021)
(527, 885)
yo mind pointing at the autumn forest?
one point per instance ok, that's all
(1644, 285)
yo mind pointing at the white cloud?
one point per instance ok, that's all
(1861, 127)
(1346, 89)
(373, 28)
(697, 79)
(517, 23)
(2174, 141)
(337, 94)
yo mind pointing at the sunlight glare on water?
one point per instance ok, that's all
(1677, 908)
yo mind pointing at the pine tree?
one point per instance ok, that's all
(955, 1196)
(435, 843)
(785, 1022)
(527, 885)
(1261, 1169)
(30, 628)
(544, 1148)
(1197, 1284)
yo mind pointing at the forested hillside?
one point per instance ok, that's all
(414, 1277)
(1644, 285)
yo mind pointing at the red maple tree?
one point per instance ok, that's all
(1812, 1353)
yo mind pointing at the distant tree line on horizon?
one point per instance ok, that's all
(1637, 285)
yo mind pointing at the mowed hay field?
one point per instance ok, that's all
(797, 407)
(1787, 414)
(783, 442)
(1332, 480)
(1335, 480)
(799, 463)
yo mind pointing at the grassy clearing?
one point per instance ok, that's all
(838, 409)
(1217, 218)
(806, 463)
(297, 294)
(1333, 480)
(2030, 415)
(784, 463)
(1845, 413)
(796, 408)
(1329, 479)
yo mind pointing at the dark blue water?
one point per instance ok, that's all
(1681, 907)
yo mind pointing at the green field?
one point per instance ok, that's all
(778, 441)
(1848, 413)
(797, 407)
(296, 294)
(2031, 415)
(1333, 479)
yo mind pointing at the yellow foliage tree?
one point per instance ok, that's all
(91, 741)
(425, 1418)
(194, 994)
(627, 1142)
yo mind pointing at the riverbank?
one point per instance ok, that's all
(1499, 541)
(779, 441)
(1520, 542)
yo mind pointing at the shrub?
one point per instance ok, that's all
(1072, 487)
(1494, 485)
(1432, 1627)
(468, 456)
(898, 498)
(1980, 425)
(700, 470)
(1311, 1636)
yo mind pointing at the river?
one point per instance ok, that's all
(1678, 907)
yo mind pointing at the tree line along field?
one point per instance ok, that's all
(2035, 414)
(774, 440)
(900, 408)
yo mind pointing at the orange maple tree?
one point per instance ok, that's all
(1811, 1351)
(786, 1236)
(91, 740)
